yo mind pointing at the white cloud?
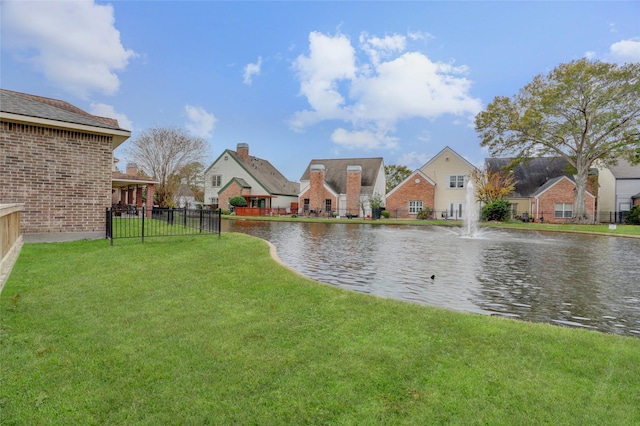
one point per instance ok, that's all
(200, 122)
(625, 51)
(104, 110)
(372, 93)
(330, 60)
(250, 70)
(73, 43)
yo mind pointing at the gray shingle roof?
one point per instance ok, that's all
(267, 175)
(532, 174)
(336, 172)
(624, 170)
(51, 109)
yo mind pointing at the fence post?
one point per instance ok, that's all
(144, 213)
(108, 219)
(201, 219)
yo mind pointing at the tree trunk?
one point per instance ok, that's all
(581, 191)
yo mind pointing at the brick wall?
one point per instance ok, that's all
(397, 203)
(561, 192)
(62, 177)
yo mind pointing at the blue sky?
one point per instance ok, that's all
(300, 80)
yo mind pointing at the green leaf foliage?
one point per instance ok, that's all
(499, 210)
(238, 201)
(634, 216)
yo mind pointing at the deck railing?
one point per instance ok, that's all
(10, 238)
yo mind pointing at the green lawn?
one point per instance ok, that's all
(209, 330)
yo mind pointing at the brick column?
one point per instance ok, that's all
(354, 185)
(316, 187)
(151, 190)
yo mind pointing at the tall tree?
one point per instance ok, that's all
(582, 110)
(492, 185)
(395, 175)
(163, 152)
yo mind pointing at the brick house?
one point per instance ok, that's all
(341, 187)
(534, 177)
(236, 173)
(57, 160)
(415, 193)
(555, 201)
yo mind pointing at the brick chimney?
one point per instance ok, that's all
(132, 169)
(243, 151)
(354, 185)
(316, 186)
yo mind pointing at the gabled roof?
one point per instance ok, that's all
(417, 172)
(443, 151)
(264, 172)
(551, 182)
(624, 170)
(56, 113)
(531, 174)
(336, 172)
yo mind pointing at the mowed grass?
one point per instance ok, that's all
(209, 330)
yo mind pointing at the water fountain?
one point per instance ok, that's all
(470, 217)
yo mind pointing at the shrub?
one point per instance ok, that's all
(633, 218)
(238, 201)
(499, 210)
(225, 212)
(385, 214)
(425, 213)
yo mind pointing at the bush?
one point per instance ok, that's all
(633, 218)
(385, 214)
(225, 212)
(425, 213)
(238, 201)
(499, 210)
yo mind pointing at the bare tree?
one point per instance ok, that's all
(162, 152)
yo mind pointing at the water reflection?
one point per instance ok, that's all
(571, 280)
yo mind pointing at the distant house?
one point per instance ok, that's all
(57, 160)
(619, 190)
(130, 192)
(185, 197)
(529, 176)
(412, 195)
(236, 173)
(450, 172)
(341, 187)
(544, 188)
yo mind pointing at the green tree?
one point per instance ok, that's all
(584, 111)
(238, 201)
(161, 152)
(395, 175)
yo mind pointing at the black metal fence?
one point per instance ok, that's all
(161, 222)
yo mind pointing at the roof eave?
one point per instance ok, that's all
(119, 135)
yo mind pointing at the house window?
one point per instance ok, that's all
(564, 210)
(216, 181)
(306, 204)
(415, 207)
(625, 207)
(327, 205)
(456, 181)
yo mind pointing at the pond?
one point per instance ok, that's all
(571, 280)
